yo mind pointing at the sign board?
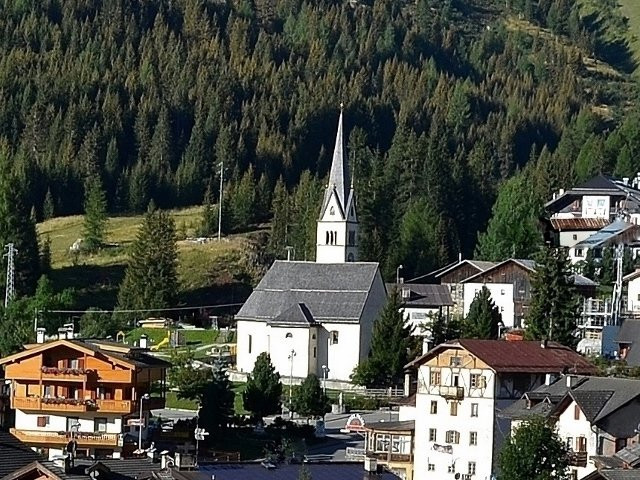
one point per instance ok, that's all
(200, 433)
(355, 423)
(443, 448)
(135, 422)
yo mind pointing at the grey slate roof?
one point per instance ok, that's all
(630, 455)
(334, 292)
(14, 454)
(481, 265)
(255, 471)
(296, 315)
(597, 397)
(134, 468)
(424, 294)
(620, 474)
(630, 333)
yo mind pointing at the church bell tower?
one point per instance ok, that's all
(337, 232)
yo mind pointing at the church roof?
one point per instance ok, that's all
(331, 292)
(297, 315)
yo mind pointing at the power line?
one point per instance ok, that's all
(143, 310)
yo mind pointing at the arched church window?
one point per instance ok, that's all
(335, 238)
(332, 211)
(327, 239)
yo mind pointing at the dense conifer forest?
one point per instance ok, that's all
(454, 108)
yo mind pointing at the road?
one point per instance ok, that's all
(336, 442)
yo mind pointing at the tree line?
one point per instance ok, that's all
(145, 101)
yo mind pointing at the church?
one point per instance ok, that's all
(317, 317)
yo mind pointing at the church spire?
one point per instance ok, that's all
(339, 177)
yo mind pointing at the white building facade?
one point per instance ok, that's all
(461, 387)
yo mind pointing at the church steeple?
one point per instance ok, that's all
(339, 175)
(338, 224)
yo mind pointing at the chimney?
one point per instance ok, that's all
(625, 180)
(69, 329)
(40, 333)
(459, 257)
(571, 381)
(561, 192)
(548, 379)
(144, 341)
(62, 333)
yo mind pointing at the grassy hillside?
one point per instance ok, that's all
(631, 10)
(209, 273)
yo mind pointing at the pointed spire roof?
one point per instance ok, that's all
(339, 177)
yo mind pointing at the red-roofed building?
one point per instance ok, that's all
(462, 385)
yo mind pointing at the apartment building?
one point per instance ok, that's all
(461, 385)
(83, 395)
(594, 416)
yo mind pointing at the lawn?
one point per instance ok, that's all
(208, 273)
(174, 402)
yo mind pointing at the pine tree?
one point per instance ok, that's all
(45, 255)
(95, 215)
(151, 279)
(262, 394)
(243, 201)
(391, 343)
(280, 207)
(309, 400)
(554, 306)
(216, 403)
(534, 451)
(483, 318)
(512, 231)
(48, 207)
(209, 219)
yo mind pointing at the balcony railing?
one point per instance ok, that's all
(578, 459)
(453, 393)
(67, 374)
(58, 438)
(114, 406)
(50, 404)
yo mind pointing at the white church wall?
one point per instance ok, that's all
(342, 356)
(252, 340)
(282, 341)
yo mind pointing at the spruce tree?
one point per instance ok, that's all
(209, 218)
(243, 201)
(262, 394)
(309, 400)
(391, 343)
(483, 318)
(554, 304)
(216, 403)
(151, 279)
(95, 215)
(48, 207)
(280, 208)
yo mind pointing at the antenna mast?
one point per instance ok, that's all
(10, 290)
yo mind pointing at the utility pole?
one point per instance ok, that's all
(10, 289)
(220, 201)
(291, 355)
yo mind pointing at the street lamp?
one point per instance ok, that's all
(325, 371)
(291, 355)
(400, 267)
(142, 399)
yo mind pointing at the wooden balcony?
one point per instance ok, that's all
(390, 457)
(452, 393)
(577, 459)
(49, 404)
(64, 374)
(114, 406)
(84, 439)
